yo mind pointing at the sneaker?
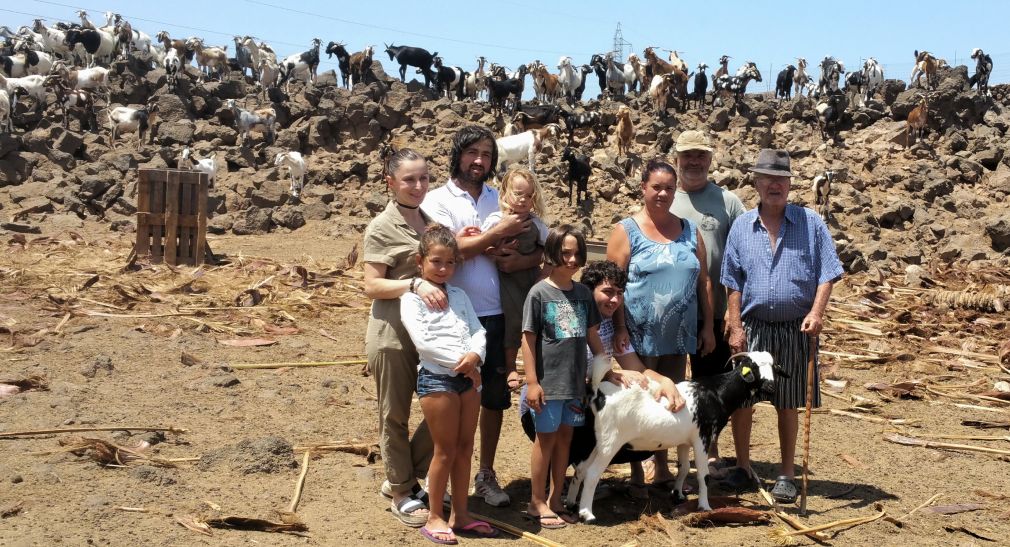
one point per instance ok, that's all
(485, 485)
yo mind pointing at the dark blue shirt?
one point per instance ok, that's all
(780, 285)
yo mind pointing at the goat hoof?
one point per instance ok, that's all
(678, 497)
(587, 516)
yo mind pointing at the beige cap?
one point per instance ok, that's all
(693, 140)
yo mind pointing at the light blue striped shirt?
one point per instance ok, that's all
(779, 286)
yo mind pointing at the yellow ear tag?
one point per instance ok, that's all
(744, 371)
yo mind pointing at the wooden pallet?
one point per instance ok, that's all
(172, 215)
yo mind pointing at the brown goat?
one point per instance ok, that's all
(657, 65)
(625, 130)
(360, 64)
(917, 119)
(925, 63)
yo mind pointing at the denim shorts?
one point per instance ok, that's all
(554, 414)
(428, 382)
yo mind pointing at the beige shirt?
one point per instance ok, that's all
(392, 242)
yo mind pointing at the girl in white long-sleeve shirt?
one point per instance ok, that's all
(451, 346)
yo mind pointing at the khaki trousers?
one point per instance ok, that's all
(405, 458)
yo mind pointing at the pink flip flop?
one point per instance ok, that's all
(475, 529)
(430, 536)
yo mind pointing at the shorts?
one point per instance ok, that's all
(429, 382)
(554, 414)
(714, 363)
(494, 393)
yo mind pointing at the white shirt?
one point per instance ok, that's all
(443, 336)
(456, 209)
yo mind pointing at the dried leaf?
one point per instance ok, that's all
(904, 390)
(247, 342)
(11, 510)
(728, 515)
(191, 361)
(851, 460)
(257, 525)
(195, 525)
(274, 329)
(248, 298)
(964, 530)
(954, 508)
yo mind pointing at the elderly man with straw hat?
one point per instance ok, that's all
(779, 265)
(713, 209)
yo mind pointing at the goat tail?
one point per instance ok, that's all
(600, 368)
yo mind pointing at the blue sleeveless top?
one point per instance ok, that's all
(661, 298)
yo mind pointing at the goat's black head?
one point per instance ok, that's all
(758, 370)
(391, 50)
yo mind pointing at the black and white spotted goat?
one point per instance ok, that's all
(831, 70)
(300, 65)
(736, 85)
(632, 417)
(983, 68)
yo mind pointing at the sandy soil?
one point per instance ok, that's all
(126, 369)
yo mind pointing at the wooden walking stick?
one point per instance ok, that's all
(806, 423)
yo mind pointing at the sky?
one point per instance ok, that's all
(515, 32)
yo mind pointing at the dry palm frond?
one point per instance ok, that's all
(982, 301)
(106, 453)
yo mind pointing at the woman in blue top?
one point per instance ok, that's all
(664, 256)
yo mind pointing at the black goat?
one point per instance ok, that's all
(599, 66)
(983, 68)
(784, 83)
(539, 115)
(413, 56)
(498, 93)
(343, 59)
(700, 85)
(579, 170)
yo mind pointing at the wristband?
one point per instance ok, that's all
(413, 288)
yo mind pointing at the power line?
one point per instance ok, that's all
(411, 33)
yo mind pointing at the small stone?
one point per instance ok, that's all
(17, 479)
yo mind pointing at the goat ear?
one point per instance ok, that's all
(747, 374)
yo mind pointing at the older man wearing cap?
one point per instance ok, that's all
(713, 209)
(779, 266)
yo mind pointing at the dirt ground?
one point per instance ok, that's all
(111, 349)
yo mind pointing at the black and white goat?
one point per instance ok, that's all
(830, 110)
(873, 78)
(822, 192)
(261, 119)
(448, 79)
(736, 85)
(302, 64)
(172, 67)
(125, 119)
(499, 93)
(592, 120)
(343, 60)
(983, 68)
(632, 417)
(784, 83)
(578, 173)
(25, 61)
(33, 86)
(96, 43)
(413, 56)
(74, 99)
(831, 70)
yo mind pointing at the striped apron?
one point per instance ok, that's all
(790, 348)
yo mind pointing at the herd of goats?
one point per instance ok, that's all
(71, 59)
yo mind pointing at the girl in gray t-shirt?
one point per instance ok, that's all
(559, 318)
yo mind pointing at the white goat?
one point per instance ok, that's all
(34, 86)
(632, 416)
(205, 165)
(296, 168)
(6, 123)
(525, 145)
(568, 79)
